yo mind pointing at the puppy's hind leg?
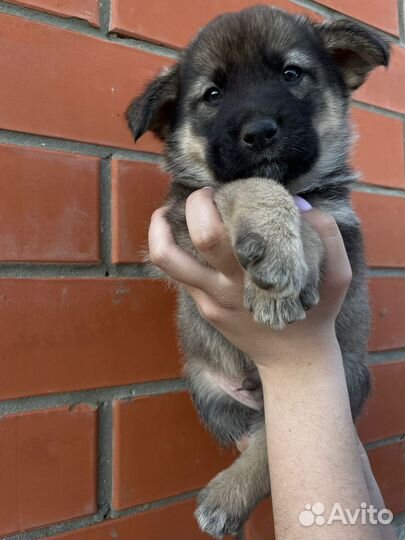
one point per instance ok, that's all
(226, 503)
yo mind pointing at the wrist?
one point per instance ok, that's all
(319, 354)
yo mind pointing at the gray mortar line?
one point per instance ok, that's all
(59, 528)
(105, 458)
(401, 17)
(44, 142)
(387, 272)
(154, 504)
(93, 397)
(378, 110)
(327, 12)
(378, 190)
(105, 14)
(384, 442)
(44, 270)
(144, 45)
(69, 271)
(383, 357)
(106, 219)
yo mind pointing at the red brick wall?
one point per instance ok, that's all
(97, 436)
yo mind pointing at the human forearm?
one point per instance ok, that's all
(312, 444)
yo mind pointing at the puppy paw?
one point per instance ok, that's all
(279, 251)
(280, 270)
(220, 510)
(277, 289)
(272, 310)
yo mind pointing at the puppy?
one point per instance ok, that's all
(257, 108)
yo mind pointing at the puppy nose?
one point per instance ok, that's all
(259, 134)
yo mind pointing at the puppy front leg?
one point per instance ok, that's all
(280, 253)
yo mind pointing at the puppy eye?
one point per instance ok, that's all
(292, 74)
(212, 95)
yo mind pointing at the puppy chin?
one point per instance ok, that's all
(272, 170)
(229, 165)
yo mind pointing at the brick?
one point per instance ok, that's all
(260, 525)
(48, 467)
(81, 9)
(147, 19)
(137, 190)
(49, 208)
(379, 152)
(68, 85)
(388, 467)
(168, 454)
(385, 86)
(384, 414)
(383, 15)
(387, 300)
(383, 225)
(173, 522)
(70, 334)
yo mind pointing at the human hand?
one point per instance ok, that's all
(218, 288)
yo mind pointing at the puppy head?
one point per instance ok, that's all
(259, 93)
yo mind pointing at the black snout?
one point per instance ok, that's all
(259, 134)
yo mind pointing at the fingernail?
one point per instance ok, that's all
(302, 204)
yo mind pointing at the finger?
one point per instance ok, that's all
(337, 271)
(208, 233)
(167, 255)
(209, 309)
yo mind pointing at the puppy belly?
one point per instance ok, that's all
(235, 388)
(229, 411)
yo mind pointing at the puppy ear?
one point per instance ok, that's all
(152, 110)
(356, 49)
